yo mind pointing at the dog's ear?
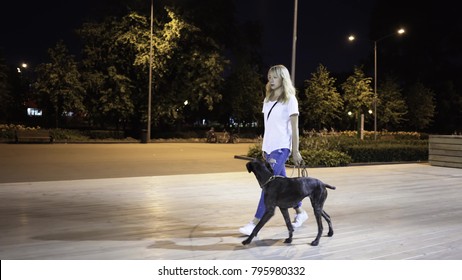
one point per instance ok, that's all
(268, 166)
(249, 166)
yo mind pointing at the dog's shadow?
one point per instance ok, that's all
(217, 246)
(202, 238)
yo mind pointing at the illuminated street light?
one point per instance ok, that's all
(399, 32)
(23, 65)
(352, 38)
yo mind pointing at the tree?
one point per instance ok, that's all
(14, 93)
(187, 65)
(421, 104)
(322, 104)
(115, 101)
(391, 107)
(357, 92)
(448, 116)
(243, 95)
(58, 85)
(109, 75)
(6, 99)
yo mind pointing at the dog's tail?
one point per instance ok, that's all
(330, 187)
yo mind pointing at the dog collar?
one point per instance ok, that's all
(271, 179)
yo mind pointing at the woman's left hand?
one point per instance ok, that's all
(297, 158)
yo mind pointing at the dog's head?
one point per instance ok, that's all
(258, 164)
(261, 169)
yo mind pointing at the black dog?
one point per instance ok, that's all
(285, 193)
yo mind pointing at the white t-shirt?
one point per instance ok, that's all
(278, 129)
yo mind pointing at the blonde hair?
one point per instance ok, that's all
(287, 87)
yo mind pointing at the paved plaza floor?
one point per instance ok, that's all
(385, 212)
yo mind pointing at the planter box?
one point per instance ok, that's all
(445, 150)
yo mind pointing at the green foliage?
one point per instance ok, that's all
(58, 85)
(7, 132)
(312, 158)
(103, 134)
(391, 106)
(358, 95)
(60, 134)
(6, 97)
(255, 151)
(388, 152)
(328, 140)
(243, 95)
(421, 105)
(108, 73)
(187, 65)
(330, 148)
(323, 157)
(322, 103)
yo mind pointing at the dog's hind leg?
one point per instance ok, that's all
(318, 216)
(268, 214)
(290, 228)
(329, 222)
(324, 213)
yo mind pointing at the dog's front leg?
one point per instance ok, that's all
(290, 228)
(268, 214)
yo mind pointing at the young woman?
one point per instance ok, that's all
(281, 138)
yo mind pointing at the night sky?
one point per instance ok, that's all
(322, 31)
(29, 28)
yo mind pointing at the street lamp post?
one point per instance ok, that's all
(352, 38)
(399, 32)
(148, 136)
(294, 41)
(375, 90)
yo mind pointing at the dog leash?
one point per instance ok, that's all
(302, 171)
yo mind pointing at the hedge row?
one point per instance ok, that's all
(343, 148)
(7, 132)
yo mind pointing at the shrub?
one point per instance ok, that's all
(312, 158)
(331, 148)
(8, 131)
(388, 153)
(104, 134)
(322, 157)
(68, 135)
(255, 151)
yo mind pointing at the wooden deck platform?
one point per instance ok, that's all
(386, 212)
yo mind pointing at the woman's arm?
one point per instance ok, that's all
(297, 158)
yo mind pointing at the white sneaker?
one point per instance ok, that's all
(247, 229)
(300, 219)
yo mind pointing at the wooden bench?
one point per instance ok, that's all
(33, 136)
(445, 150)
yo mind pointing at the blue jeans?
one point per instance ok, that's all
(277, 159)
